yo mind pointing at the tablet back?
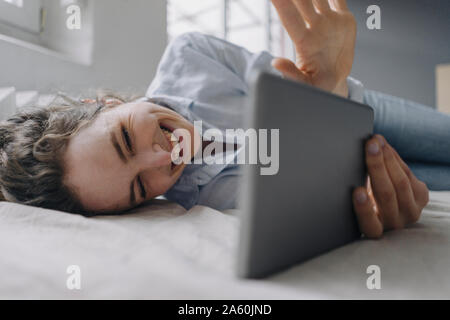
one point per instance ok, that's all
(306, 208)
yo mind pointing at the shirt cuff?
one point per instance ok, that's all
(355, 90)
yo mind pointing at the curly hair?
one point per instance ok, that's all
(32, 145)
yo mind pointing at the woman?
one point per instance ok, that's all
(111, 156)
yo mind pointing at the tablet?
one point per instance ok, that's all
(305, 209)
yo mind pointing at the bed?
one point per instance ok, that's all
(161, 251)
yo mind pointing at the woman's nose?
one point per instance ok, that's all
(155, 157)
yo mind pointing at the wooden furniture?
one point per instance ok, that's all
(443, 87)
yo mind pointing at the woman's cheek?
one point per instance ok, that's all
(159, 184)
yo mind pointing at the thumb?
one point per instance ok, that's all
(289, 69)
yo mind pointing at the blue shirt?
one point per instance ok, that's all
(205, 78)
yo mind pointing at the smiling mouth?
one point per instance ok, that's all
(172, 141)
(170, 137)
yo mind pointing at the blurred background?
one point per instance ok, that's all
(120, 43)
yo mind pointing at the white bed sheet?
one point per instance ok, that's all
(162, 252)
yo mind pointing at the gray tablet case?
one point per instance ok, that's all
(306, 209)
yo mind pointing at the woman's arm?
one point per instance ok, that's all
(199, 66)
(324, 35)
(203, 56)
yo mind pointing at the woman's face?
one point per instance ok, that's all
(123, 157)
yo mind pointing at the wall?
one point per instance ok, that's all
(443, 87)
(129, 37)
(401, 58)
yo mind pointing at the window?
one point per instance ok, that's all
(253, 24)
(24, 14)
(17, 3)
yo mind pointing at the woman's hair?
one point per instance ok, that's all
(32, 145)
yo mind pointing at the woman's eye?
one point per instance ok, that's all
(142, 188)
(127, 139)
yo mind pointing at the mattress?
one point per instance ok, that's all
(161, 251)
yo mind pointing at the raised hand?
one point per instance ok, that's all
(324, 34)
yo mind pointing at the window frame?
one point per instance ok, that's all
(28, 17)
(276, 40)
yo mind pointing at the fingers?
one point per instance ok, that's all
(290, 18)
(322, 5)
(393, 197)
(307, 9)
(408, 209)
(297, 15)
(420, 190)
(340, 5)
(289, 69)
(383, 189)
(368, 220)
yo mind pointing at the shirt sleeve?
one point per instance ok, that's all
(355, 90)
(193, 59)
(241, 61)
(237, 59)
